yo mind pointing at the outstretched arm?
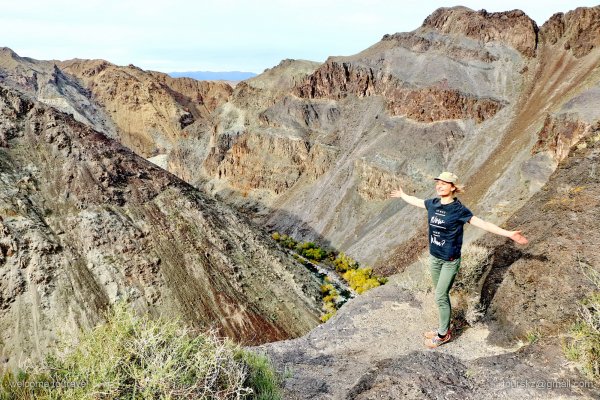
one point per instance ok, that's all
(415, 201)
(517, 236)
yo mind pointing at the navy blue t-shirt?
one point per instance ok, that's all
(446, 227)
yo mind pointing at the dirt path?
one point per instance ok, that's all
(374, 348)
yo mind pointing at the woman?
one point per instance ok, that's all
(446, 216)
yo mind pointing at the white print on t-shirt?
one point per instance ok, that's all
(437, 242)
(436, 220)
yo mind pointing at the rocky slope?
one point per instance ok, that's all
(373, 348)
(313, 149)
(168, 119)
(84, 223)
(50, 85)
(483, 94)
(539, 288)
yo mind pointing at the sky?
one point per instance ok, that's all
(223, 35)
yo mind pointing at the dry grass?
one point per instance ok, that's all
(473, 265)
(138, 358)
(583, 342)
(467, 285)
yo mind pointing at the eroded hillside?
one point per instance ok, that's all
(156, 115)
(84, 222)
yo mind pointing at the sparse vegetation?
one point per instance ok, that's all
(344, 263)
(467, 285)
(583, 342)
(311, 251)
(285, 240)
(533, 336)
(330, 297)
(131, 357)
(473, 263)
(358, 279)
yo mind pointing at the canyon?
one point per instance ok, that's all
(124, 183)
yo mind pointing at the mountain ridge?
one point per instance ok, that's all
(213, 75)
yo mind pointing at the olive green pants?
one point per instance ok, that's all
(443, 274)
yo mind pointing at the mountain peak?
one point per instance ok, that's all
(8, 51)
(513, 28)
(579, 29)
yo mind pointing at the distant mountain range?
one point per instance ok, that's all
(214, 76)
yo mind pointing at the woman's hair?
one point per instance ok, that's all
(458, 189)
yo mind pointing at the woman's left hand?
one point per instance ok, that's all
(518, 237)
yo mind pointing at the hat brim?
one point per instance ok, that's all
(438, 179)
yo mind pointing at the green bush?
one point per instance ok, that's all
(261, 376)
(305, 246)
(311, 251)
(287, 241)
(308, 250)
(131, 357)
(317, 254)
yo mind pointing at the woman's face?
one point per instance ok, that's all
(443, 188)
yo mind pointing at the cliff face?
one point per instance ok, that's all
(84, 223)
(429, 104)
(513, 28)
(577, 30)
(540, 287)
(154, 113)
(47, 83)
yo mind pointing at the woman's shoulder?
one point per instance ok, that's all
(460, 205)
(434, 201)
